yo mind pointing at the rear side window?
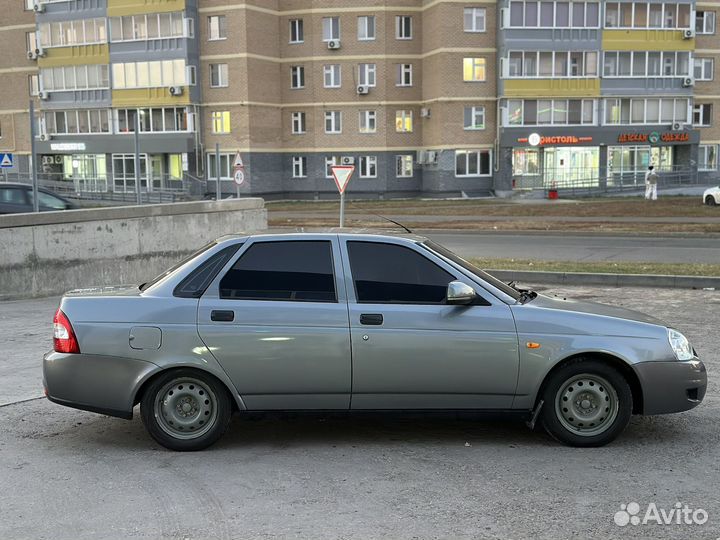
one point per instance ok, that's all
(299, 271)
(392, 274)
(195, 284)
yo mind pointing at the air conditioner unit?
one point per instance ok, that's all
(38, 7)
(677, 126)
(45, 137)
(421, 157)
(333, 44)
(175, 90)
(688, 81)
(425, 112)
(362, 90)
(40, 52)
(347, 160)
(31, 55)
(43, 95)
(688, 33)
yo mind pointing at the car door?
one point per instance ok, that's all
(410, 349)
(276, 320)
(12, 200)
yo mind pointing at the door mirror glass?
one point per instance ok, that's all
(459, 293)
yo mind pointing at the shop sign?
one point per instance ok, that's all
(67, 147)
(653, 137)
(535, 139)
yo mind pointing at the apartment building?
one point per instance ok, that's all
(432, 97)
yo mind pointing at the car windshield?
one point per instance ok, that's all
(446, 253)
(174, 267)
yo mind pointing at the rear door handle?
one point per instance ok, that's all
(222, 315)
(374, 319)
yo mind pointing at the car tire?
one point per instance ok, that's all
(186, 409)
(710, 200)
(587, 403)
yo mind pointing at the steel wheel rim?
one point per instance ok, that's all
(586, 405)
(186, 408)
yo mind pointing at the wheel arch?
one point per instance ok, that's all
(616, 362)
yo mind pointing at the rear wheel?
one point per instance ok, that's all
(186, 410)
(710, 200)
(587, 403)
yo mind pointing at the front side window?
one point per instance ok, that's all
(216, 27)
(403, 27)
(470, 163)
(331, 28)
(368, 166)
(218, 75)
(474, 19)
(366, 74)
(296, 271)
(474, 118)
(474, 69)
(393, 274)
(297, 34)
(366, 28)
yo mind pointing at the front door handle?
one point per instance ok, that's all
(222, 315)
(373, 319)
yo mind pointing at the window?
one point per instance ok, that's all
(30, 41)
(474, 118)
(403, 121)
(220, 122)
(298, 122)
(404, 277)
(331, 76)
(297, 77)
(299, 271)
(366, 28)
(33, 85)
(64, 33)
(474, 69)
(635, 159)
(403, 27)
(367, 122)
(226, 161)
(195, 284)
(702, 115)
(330, 162)
(560, 14)
(74, 77)
(151, 74)
(472, 163)
(299, 166)
(646, 64)
(404, 166)
(552, 64)
(368, 166)
(333, 122)
(669, 15)
(366, 74)
(28, 5)
(474, 19)
(218, 75)
(216, 27)
(703, 69)
(76, 122)
(331, 28)
(404, 75)
(149, 26)
(297, 34)
(171, 119)
(645, 111)
(707, 157)
(705, 22)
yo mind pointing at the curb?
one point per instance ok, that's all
(608, 280)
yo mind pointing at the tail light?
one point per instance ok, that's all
(64, 340)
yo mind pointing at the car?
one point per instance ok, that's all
(349, 321)
(17, 198)
(711, 196)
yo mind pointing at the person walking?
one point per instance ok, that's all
(651, 180)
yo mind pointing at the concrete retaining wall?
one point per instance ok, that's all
(52, 252)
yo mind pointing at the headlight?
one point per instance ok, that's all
(680, 345)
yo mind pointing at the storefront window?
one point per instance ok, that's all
(633, 161)
(87, 171)
(526, 161)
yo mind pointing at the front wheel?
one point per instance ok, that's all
(710, 200)
(186, 410)
(587, 403)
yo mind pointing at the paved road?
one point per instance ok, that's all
(578, 247)
(70, 474)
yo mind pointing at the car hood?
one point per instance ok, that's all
(593, 308)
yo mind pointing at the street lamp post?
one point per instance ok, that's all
(137, 157)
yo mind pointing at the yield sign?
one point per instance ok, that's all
(238, 163)
(342, 174)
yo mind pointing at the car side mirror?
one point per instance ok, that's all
(459, 294)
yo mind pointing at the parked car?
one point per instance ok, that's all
(357, 322)
(711, 196)
(17, 198)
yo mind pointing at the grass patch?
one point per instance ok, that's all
(602, 267)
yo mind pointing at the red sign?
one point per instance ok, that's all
(557, 139)
(342, 174)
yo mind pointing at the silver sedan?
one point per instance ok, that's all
(358, 322)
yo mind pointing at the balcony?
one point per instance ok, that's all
(643, 39)
(135, 7)
(75, 55)
(145, 97)
(551, 87)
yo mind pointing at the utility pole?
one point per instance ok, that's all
(137, 156)
(33, 160)
(218, 192)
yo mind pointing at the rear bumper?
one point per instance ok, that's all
(670, 387)
(102, 384)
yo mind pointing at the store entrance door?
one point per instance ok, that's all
(566, 167)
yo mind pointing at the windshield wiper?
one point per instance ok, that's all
(526, 295)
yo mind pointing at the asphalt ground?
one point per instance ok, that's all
(68, 474)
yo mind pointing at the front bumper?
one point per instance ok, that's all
(670, 387)
(103, 384)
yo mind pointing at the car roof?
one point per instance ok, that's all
(316, 233)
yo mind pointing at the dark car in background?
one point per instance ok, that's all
(16, 198)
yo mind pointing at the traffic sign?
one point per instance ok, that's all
(238, 163)
(6, 161)
(239, 177)
(342, 174)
